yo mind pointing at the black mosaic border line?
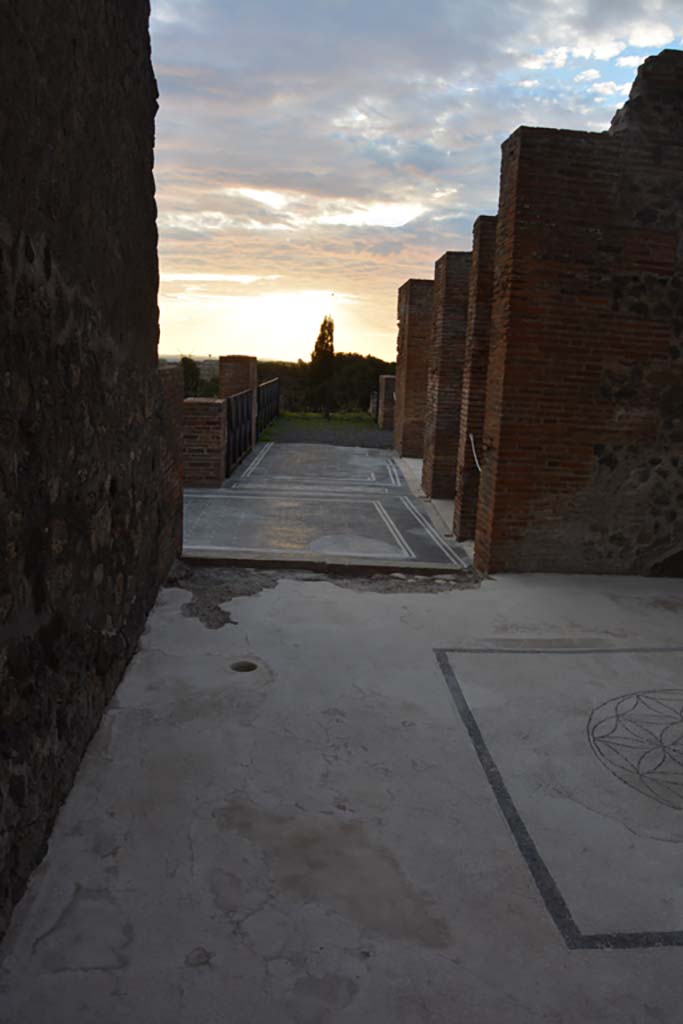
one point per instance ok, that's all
(545, 883)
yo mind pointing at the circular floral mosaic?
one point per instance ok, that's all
(639, 738)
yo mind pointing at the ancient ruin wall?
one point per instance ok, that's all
(584, 426)
(205, 438)
(473, 401)
(81, 409)
(415, 310)
(445, 374)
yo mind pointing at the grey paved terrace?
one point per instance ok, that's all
(428, 803)
(321, 504)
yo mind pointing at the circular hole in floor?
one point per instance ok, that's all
(244, 666)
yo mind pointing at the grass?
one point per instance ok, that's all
(316, 422)
(356, 416)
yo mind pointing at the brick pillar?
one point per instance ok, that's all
(414, 342)
(171, 454)
(236, 374)
(444, 376)
(385, 417)
(205, 439)
(584, 420)
(474, 377)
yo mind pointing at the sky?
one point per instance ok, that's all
(312, 155)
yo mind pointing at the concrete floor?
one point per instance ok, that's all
(424, 804)
(317, 504)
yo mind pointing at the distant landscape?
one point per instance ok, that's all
(354, 379)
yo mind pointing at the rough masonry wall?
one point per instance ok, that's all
(473, 402)
(584, 425)
(444, 375)
(171, 460)
(415, 310)
(81, 409)
(385, 413)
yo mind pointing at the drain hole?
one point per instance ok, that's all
(244, 666)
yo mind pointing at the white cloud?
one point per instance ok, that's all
(529, 83)
(629, 62)
(589, 75)
(653, 34)
(203, 278)
(555, 58)
(386, 215)
(275, 200)
(610, 89)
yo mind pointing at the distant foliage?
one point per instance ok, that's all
(208, 388)
(191, 377)
(355, 378)
(321, 375)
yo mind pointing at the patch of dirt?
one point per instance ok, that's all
(213, 587)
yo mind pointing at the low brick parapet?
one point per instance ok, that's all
(205, 437)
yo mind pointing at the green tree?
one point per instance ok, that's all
(322, 369)
(190, 377)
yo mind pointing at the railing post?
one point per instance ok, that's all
(237, 374)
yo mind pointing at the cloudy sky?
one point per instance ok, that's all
(314, 154)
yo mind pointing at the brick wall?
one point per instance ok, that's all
(236, 374)
(444, 375)
(385, 414)
(475, 367)
(204, 441)
(415, 299)
(171, 465)
(583, 431)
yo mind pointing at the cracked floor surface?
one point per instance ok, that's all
(315, 841)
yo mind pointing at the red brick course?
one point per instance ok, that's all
(204, 441)
(473, 401)
(444, 375)
(415, 309)
(583, 435)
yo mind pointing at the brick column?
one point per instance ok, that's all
(204, 441)
(236, 374)
(171, 455)
(583, 430)
(444, 376)
(473, 401)
(385, 417)
(414, 341)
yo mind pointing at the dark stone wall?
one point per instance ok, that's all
(81, 411)
(583, 435)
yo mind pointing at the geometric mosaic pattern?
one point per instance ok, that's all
(639, 739)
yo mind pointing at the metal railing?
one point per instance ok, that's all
(240, 428)
(268, 404)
